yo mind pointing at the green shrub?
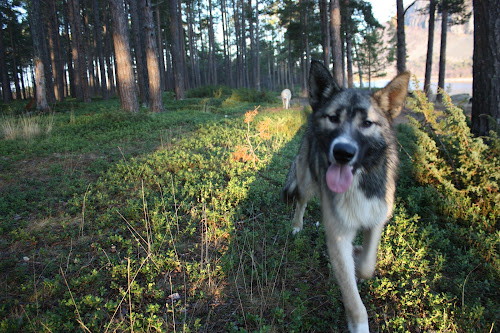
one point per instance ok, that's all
(209, 92)
(251, 96)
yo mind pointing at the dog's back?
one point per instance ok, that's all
(286, 96)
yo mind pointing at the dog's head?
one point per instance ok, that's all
(352, 126)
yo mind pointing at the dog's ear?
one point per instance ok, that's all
(321, 84)
(391, 98)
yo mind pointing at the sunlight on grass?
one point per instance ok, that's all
(26, 127)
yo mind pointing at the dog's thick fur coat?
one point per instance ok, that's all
(286, 96)
(348, 157)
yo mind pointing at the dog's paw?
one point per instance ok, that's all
(359, 327)
(296, 230)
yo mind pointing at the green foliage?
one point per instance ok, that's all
(463, 169)
(209, 91)
(250, 96)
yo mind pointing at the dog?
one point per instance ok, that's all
(286, 96)
(348, 157)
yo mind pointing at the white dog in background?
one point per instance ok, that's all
(286, 96)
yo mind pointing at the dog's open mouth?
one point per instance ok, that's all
(339, 177)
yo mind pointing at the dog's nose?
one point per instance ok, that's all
(344, 152)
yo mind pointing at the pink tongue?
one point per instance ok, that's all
(339, 178)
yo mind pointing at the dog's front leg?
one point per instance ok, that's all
(340, 250)
(366, 256)
(298, 216)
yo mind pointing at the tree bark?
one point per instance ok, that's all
(100, 48)
(159, 37)
(108, 54)
(442, 52)
(6, 92)
(325, 31)
(55, 49)
(486, 67)
(81, 83)
(15, 55)
(401, 42)
(225, 35)
(211, 47)
(89, 52)
(336, 42)
(430, 46)
(239, 59)
(257, 47)
(139, 50)
(176, 49)
(348, 43)
(38, 40)
(125, 74)
(71, 89)
(155, 97)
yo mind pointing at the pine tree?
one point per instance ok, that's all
(125, 74)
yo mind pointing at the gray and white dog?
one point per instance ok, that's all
(348, 157)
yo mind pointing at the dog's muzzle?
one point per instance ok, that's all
(339, 175)
(344, 153)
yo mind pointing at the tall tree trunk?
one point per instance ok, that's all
(442, 52)
(192, 58)
(100, 48)
(38, 39)
(71, 84)
(338, 74)
(89, 52)
(325, 31)
(15, 55)
(78, 51)
(360, 69)
(239, 62)
(257, 47)
(6, 92)
(225, 37)
(41, 95)
(108, 54)
(139, 50)
(486, 67)
(125, 74)
(430, 46)
(155, 98)
(77, 84)
(306, 42)
(211, 47)
(176, 49)
(348, 46)
(23, 87)
(401, 43)
(55, 49)
(159, 36)
(169, 76)
(246, 78)
(252, 43)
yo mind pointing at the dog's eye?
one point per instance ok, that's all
(367, 123)
(334, 119)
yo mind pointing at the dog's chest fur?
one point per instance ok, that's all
(354, 209)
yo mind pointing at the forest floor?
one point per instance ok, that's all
(172, 222)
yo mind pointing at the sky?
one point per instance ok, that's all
(384, 10)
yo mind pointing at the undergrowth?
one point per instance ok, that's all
(172, 222)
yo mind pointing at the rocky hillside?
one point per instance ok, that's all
(459, 44)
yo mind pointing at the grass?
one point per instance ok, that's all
(171, 222)
(26, 127)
